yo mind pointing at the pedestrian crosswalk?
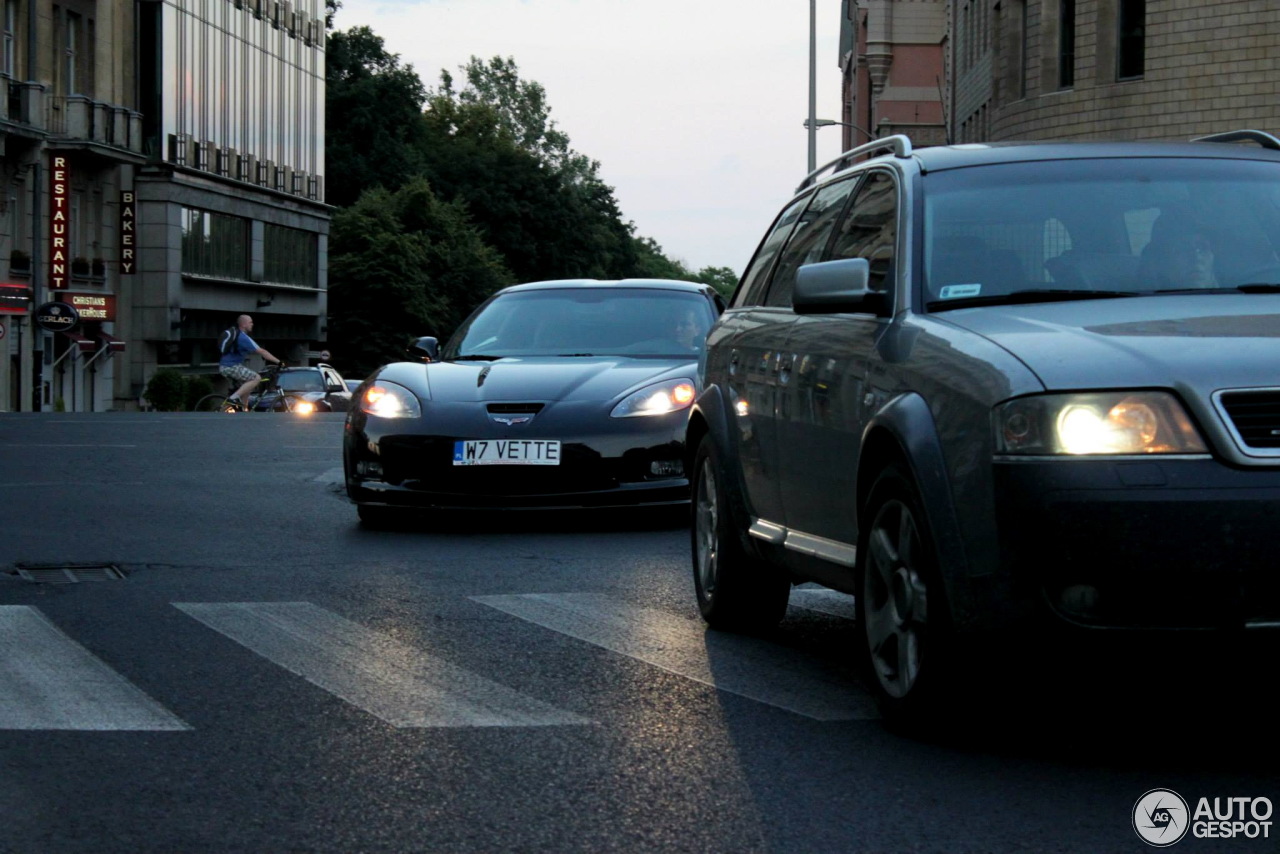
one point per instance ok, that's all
(48, 681)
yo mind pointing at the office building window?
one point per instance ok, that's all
(10, 58)
(1066, 43)
(214, 244)
(290, 256)
(70, 54)
(1132, 32)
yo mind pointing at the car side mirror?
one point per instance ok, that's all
(332, 386)
(427, 349)
(836, 287)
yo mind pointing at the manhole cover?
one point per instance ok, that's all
(69, 573)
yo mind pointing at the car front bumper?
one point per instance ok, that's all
(1141, 544)
(598, 471)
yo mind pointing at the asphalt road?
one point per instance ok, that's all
(201, 650)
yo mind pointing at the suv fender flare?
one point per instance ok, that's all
(905, 429)
(709, 417)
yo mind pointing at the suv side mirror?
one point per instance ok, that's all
(427, 349)
(835, 287)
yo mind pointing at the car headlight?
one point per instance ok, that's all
(1127, 422)
(388, 400)
(303, 407)
(657, 399)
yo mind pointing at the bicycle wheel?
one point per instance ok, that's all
(213, 403)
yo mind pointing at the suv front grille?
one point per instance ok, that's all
(1254, 416)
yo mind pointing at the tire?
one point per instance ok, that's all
(213, 403)
(901, 609)
(736, 591)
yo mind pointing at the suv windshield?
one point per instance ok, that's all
(1074, 229)
(585, 322)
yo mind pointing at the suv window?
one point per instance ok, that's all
(870, 230)
(751, 289)
(809, 239)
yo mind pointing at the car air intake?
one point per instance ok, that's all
(1255, 415)
(515, 408)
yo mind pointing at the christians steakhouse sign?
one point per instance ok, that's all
(59, 216)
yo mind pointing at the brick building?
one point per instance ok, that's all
(892, 63)
(1112, 69)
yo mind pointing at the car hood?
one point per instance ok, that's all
(1208, 341)
(535, 379)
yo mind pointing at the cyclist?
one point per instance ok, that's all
(235, 346)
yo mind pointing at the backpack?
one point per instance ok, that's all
(230, 341)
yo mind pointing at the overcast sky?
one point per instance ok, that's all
(694, 108)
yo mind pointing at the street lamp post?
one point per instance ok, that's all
(812, 124)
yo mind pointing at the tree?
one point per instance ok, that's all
(373, 106)
(493, 146)
(404, 264)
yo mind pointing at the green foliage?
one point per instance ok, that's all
(194, 388)
(374, 131)
(166, 390)
(403, 265)
(723, 279)
(439, 208)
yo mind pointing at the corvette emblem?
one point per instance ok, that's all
(512, 420)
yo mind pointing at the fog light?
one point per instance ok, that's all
(666, 468)
(369, 469)
(1080, 600)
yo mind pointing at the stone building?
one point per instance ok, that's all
(1112, 69)
(162, 171)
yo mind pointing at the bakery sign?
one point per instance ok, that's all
(91, 306)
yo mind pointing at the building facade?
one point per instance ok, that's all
(891, 63)
(1112, 69)
(163, 171)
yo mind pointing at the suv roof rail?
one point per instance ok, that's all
(1264, 139)
(899, 143)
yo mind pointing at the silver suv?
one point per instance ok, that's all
(986, 388)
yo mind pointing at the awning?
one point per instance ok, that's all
(86, 345)
(112, 343)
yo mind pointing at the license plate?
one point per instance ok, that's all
(506, 452)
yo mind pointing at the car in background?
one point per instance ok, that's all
(319, 385)
(556, 394)
(1001, 394)
(352, 385)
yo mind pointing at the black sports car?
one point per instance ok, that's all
(556, 394)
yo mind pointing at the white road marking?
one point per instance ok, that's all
(399, 684)
(826, 601)
(48, 681)
(747, 666)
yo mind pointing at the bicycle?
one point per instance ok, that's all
(268, 398)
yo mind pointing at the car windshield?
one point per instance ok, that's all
(1079, 229)
(301, 381)
(582, 322)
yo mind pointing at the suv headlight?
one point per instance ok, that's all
(656, 399)
(1125, 422)
(388, 400)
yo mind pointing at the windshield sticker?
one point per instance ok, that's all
(957, 291)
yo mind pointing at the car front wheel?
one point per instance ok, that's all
(735, 590)
(900, 606)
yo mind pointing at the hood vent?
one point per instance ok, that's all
(515, 408)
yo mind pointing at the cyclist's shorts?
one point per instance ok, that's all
(239, 374)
